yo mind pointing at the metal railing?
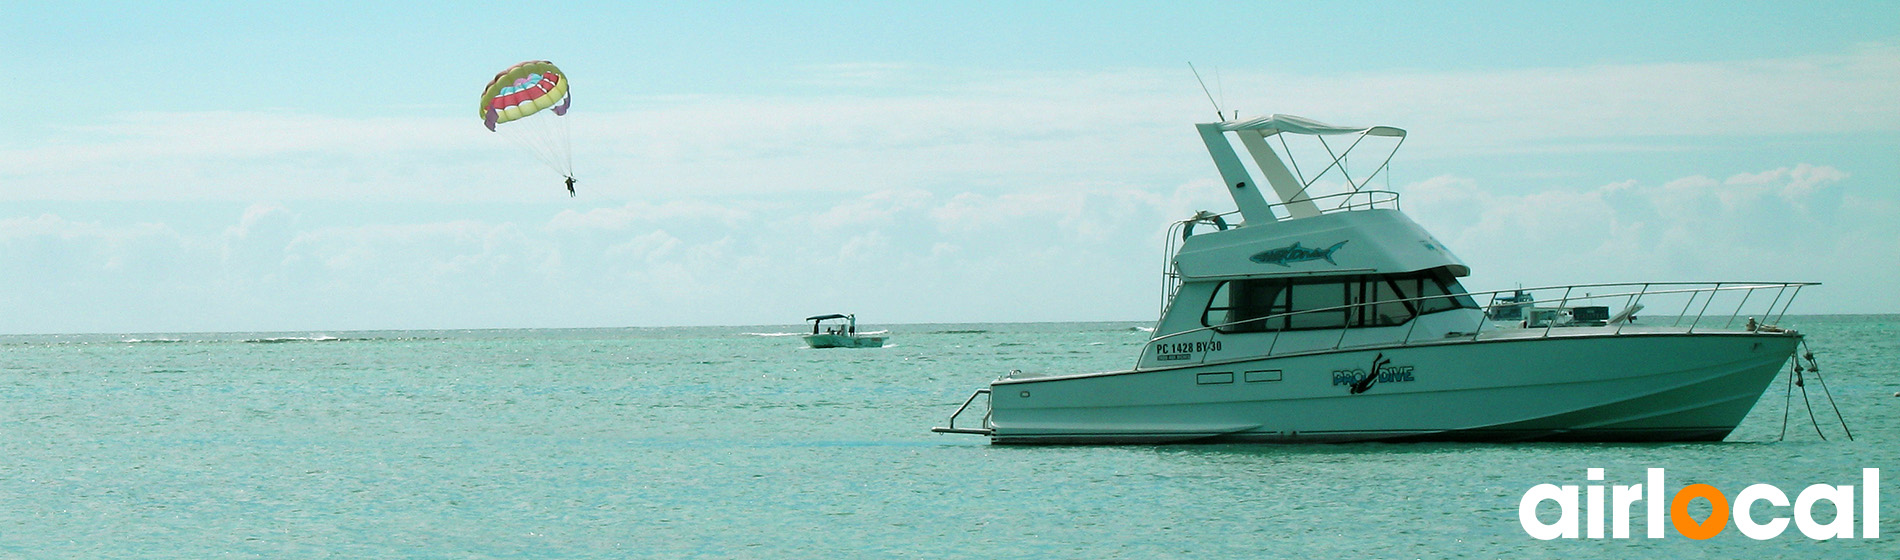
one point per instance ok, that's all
(953, 429)
(1631, 295)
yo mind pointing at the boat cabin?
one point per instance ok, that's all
(1315, 271)
(842, 324)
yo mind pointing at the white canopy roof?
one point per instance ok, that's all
(1275, 124)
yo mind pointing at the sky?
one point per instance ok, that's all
(237, 166)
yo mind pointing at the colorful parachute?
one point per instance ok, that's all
(526, 103)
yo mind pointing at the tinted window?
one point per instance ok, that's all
(1235, 302)
(1243, 305)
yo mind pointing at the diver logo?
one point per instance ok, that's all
(1840, 498)
(1360, 381)
(1295, 253)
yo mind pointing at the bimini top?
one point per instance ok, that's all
(1274, 124)
(825, 317)
(1291, 189)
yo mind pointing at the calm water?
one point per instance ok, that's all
(715, 443)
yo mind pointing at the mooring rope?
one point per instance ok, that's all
(1808, 354)
(1801, 381)
(1793, 366)
(1796, 379)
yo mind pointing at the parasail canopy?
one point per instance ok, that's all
(526, 104)
(524, 89)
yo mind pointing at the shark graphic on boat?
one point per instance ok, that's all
(1295, 253)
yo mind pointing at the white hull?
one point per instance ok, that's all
(1336, 318)
(843, 341)
(1628, 387)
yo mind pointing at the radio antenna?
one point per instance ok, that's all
(1221, 86)
(1210, 95)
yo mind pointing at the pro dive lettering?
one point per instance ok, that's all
(1295, 253)
(1382, 372)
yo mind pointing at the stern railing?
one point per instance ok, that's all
(953, 429)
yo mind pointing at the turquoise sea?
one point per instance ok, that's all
(736, 442)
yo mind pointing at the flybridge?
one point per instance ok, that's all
(1333, 281)
(1290, 185)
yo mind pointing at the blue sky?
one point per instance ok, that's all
(209, 167)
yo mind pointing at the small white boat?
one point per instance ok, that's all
(1328, 318)
(840, 332)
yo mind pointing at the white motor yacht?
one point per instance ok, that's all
(840, 332)
(1336, 318)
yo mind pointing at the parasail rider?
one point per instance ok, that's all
(570, 186)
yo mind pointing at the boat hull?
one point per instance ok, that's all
(1658, 387)
(843, 341)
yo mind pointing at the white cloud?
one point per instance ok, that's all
(50, 250)
(680, 213)
(256, 217)
(1783, 224)
(651, 247)
(953, 197)
(874, 209)
(985, 132)
(1050, 254)
(1518, 110)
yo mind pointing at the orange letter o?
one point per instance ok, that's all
(1679, 512)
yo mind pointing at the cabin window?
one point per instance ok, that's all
(1319, 296)
(1235, 302)
(1383, 308)
(1438, 282)
(1250, 305)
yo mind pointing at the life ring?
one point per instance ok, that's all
(1220, 224)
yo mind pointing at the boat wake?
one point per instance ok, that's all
(289, 339)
